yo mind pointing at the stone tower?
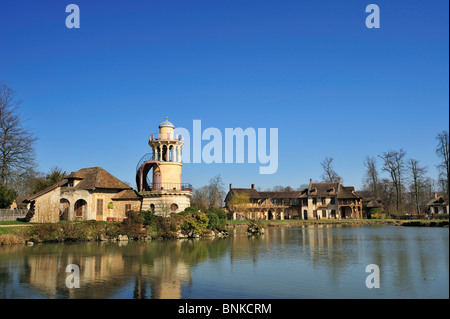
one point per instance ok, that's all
(164, 193)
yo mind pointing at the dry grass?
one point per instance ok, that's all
(10, 239)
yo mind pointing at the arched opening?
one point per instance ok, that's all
(174, 207)
(165, 154)
(64, 205)
(80, 209)
(152, 207)
(305, 214)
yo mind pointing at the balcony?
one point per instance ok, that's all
(166, 137)
(184, 187)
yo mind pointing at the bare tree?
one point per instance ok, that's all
(16, 141)
(371, 177)
(394, 165)
(417, 176)
(442, 151)
(329, 175)
(216, 189)
(200, 198)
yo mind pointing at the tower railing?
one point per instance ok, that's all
(166, 137)
(169, 186)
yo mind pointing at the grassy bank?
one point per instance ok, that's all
(137, 226)
(148, 227)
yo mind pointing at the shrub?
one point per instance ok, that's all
(377, 213)
(46, 233)
(219, 212)
(196, 223)
(213, 220)
(132, 225)
(191, 210)
(148, 217)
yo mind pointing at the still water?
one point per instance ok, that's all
(322, 261)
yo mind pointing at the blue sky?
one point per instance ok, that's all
(310, 68)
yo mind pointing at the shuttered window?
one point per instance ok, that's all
(99, 207)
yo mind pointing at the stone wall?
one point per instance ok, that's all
(47, 207)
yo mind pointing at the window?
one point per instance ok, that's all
(127, 207)
(99, 207)
(323, 200)
(314, 201)
(324, 213)
(333, 200)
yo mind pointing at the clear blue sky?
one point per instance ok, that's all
(310, 68)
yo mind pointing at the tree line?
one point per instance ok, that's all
(406, 187)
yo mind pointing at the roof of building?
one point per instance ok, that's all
(282, 194)
(347, 192)
(372, 203)
(20, 202)
(96, 177)
(128, 194)
(90, 179)
(441, 200)
(166, 123)
(42, 192)
(252, 193)
(323, 189)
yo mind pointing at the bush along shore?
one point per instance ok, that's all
(136, 226)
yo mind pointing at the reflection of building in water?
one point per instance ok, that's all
(166, 276)
(106, 268)
(100, 275)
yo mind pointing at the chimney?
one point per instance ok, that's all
(340, 180)
(231, 186)
(435, 196)
(253, 186)
(310, 182)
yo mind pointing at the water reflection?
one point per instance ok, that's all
(323, 261)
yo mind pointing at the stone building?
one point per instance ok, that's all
(439, 204)
(318, 201)
(162, 190)
(88, 194)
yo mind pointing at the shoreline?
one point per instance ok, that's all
(395, 222)
(14, 238)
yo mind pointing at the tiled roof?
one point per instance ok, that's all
(252, 193)
(96, 177)
(129, 194)
(91, 178)
(323, 189)
(282, 194)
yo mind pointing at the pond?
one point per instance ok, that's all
(314, 261)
